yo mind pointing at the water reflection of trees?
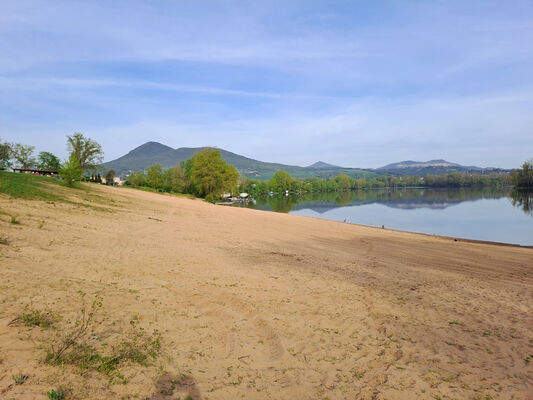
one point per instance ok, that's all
(523, 199)
(396, 198)
(282, 204)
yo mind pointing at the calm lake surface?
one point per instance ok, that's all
(499, 215)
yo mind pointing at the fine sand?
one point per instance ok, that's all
(259, 305)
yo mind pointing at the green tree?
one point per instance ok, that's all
(343, 181)
(87, 151)
(174, 179)
(280, 181)
(71, 171)
(23, 155)
(209, 175)
(136, 179)
(154, 176)
(48, 161)
(523, 179)
(109, 177)
(5, 155)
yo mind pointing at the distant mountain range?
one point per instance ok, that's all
(432, 167)
(151, 153)
(323, 165)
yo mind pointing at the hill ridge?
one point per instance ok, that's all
(152, 152)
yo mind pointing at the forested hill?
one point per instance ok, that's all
(156, 153)
(432, 167)
(151, 153)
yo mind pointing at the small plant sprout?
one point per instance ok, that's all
(20, 378)
(33, 317)
(58, 394)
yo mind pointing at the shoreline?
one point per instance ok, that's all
(452, 238)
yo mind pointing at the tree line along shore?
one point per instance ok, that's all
(208, 176)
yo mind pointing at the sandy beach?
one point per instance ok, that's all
(260, 305)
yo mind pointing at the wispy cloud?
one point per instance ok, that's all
(44, 83)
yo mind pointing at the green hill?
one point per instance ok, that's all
(156, 153)
(433, 167)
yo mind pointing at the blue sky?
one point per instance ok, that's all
(353, 83)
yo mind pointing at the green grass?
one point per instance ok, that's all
(58, 394)
(26, 186)
(35, 187)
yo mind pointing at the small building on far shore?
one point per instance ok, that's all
(116, 181)
(36, 171)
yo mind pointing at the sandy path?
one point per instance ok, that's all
(261, 305)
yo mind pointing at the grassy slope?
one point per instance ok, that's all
(26, 186)
(35, 187)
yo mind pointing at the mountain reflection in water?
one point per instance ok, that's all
(494, 214)
(395, 198)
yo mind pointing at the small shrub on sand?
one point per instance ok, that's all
(44, 319)
(14, 220)
(19, 379)
(77, 335)
(73, 347)
(33, 317)
(59, 394)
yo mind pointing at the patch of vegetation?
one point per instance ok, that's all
(26, 186)
(33, 317)
(524, 178)
(457, 345)
(71, 171)
(59, 394)
(14, 220)
(35, 187)
(455, 323)
(73, 347)
(19, 379)
(4, 240)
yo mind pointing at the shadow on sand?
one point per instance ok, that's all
(168, 387)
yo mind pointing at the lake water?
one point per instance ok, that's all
(498, 215)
